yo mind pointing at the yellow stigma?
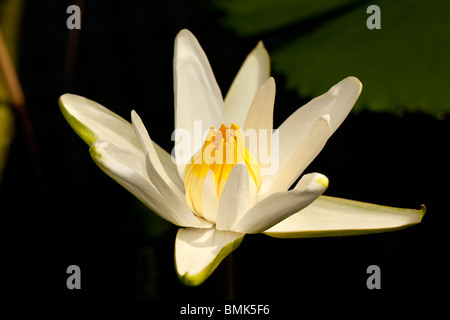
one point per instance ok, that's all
(223, 148)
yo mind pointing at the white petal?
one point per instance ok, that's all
(165, 167)
(93, 122)
(210, 202)
(234, 200)
(198, 252)
(174, 202)
(118, 164)
(252, 74)
(279, 206)
(290, 168)
(252, 192)
(329, 216)
(260, 114)
(260, 119)
(197, 95)
(336, 103)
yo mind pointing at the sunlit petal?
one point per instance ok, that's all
(210, 202)
(198, 252)
(164, 165)
(292, 165)
(93, 122)
(330, 216)
(252, 74)
(334, 104)
(278, 206)
(197, 95)
(234, 202)
(177, 205)
(119, 164)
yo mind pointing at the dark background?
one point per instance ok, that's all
(77, 215)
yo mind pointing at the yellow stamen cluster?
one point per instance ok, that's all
(223, 148)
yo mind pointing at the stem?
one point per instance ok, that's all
(19, 106)
(224, 288)
(229, 276)
(224, 280)
(11, 79)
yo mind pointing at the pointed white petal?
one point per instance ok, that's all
(252, 74)
(164, 165)
(198, 252)
(197, 95)
(259, 121)
(279, 206)
(260, 114)
(93, 122)
(174, 202)
(210, 202)
(330, 216)
(119, 165)
(291, 166)
(336, 103)
(234, 201)
(141, 132)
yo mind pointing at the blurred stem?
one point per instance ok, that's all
(230, 278)
(11, 79)
(147, 273)
(225, 284)
(17, 98)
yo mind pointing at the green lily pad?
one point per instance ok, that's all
(405, 64)
(253, 17)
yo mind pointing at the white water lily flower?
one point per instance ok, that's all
(216, 205)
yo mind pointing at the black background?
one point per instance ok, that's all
(123, 60)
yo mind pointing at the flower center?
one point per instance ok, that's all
(223, 148)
